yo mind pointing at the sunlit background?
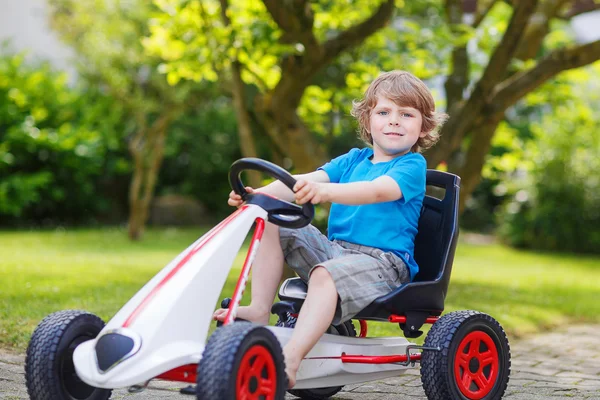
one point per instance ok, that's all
(120, 119)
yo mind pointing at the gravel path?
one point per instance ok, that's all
(563, 364)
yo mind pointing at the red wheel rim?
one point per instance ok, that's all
(256, 378)
(476, 365)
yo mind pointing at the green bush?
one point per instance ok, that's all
(200, 148)
(558, 204)
(58, 145)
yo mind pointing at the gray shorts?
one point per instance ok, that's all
(361, 273)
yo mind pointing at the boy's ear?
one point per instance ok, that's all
(423, 134)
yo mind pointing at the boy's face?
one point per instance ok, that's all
(395, 129)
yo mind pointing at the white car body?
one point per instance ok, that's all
(169, 320)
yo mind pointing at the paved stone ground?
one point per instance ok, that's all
(563, 364)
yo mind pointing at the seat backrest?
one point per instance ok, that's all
(438, 226)
(435, 244)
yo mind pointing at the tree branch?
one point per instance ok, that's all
(503, 54)
(464, 115)
(295, 18)
(539, 26)
(483, 12)
(458, 79)
(260, 82)
(514, 88)
(580, 7)
(244, 127)
(356, 34)
(297, 71)
(275, 144)
(481, 143)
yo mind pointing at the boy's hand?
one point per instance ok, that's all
(305, 191)
(235, 200)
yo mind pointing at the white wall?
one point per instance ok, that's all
(587, 26)
(24, 23)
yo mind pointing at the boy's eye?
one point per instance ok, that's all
(382, 113)
(407, 115)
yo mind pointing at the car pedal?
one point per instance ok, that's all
(191, 390)
(225, 304)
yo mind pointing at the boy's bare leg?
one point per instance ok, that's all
(266, 275)
(315, 317)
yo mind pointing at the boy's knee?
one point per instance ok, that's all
(320, 274)
(271, 228)
(271, 232)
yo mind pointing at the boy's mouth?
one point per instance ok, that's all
(393, 134)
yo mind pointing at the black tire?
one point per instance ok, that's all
(344, 329)
(483, 370)
(225, 371)
(49, 370)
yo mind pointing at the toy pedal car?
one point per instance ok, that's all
(161, 332)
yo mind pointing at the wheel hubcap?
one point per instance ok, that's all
(73, 386)
(256, 379)
(476, 365)
(473, 365)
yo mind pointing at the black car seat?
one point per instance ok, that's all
(435, 245)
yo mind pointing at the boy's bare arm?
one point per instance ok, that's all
(379, 190)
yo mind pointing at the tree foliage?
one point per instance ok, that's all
(279, 47)
(53, 138)
(557, 192)
(203, 144)
(106, 37)
(309, 59)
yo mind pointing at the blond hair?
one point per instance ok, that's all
(406, 90)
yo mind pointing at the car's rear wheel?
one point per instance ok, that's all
(474, 358)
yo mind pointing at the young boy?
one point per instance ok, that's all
(376, 195)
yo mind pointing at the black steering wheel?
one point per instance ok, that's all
(280, 212)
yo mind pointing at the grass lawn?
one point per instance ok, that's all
(99, 270)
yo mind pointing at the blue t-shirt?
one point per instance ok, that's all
(389, 226)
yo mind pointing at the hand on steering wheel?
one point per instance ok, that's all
(280, 212)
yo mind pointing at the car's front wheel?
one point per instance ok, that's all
(241, 361)
(49, 369)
